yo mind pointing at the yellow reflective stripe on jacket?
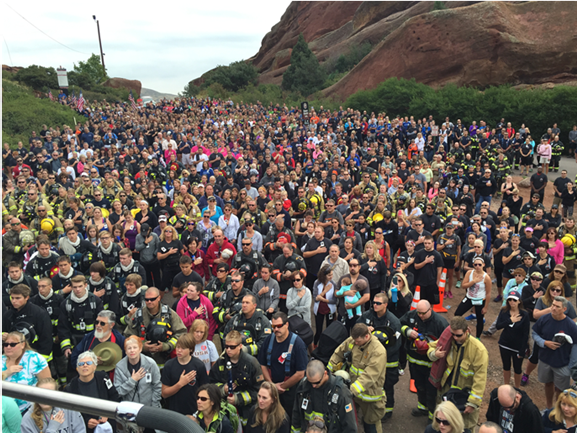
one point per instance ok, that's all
(356, 371)
(358, 387)
(392, 364)
(330, 366)
(419, 362)
(245, 397)
(65, 344)
(467, 372)
(312, 415)
(48, 358)
(367, 397)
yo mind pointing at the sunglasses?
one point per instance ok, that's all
(377, 303)
(150, 299)
(555, 290)
(231, 346)
(571, 393)
(478, 265)
(82, 364)
(536, 279)
(317, 423)
(457, 335)
(559, 272)
(444, 422)
(101, 323)
(278, 326)
(236, 281)
(298, 279)
(201, 398)
(11, 344)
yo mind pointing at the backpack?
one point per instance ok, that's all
(230, 411)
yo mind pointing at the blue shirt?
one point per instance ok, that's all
(546, 328)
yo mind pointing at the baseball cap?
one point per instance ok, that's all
(514, 294)
(528, 229)
(528, 254)
(537, 275)
(162, 218)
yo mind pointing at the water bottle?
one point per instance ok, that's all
(394, 295)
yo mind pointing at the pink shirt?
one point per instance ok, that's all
(557, 252)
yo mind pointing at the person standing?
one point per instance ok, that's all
(325, 394)
(515, 323)
(381, 321)
(283, 360)
(478, 285)
(429, 266)
(367, 369)
(538, 183)
(420, 327)
(513, 410)
(467, 361)
(556, 335)
(314, 252)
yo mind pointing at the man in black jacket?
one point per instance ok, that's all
(486, 187)
(30, 319)
(514, 411)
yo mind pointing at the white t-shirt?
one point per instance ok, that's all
(206, 352)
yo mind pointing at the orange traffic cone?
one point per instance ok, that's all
(438, 308)
(416, 298)
(412, 386)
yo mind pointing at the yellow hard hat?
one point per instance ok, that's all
(568, 240)
(47, 225)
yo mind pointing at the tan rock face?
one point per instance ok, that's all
(117, 83)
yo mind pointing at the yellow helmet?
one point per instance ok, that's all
(105, 213)
(47, 225)
(377, 217)
(568, 240)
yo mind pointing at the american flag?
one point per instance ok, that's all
(131, 99)
(80, 105)
(50, 95)
(73, 98)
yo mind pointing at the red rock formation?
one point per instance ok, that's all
(489, 43)
(116, 83)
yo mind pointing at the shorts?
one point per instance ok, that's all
(526, 160)
(561, 376)
(186, 159)
(543, 160)
(449, 262)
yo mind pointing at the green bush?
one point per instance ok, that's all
(233, 77)
(304, 75)
(38, 77)
(22, 112)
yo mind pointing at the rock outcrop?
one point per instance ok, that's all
(117, 83)
(469, 43)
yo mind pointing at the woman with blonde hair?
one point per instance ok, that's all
(205, 350)
(21, 364)
(564, 415)
(447, 419)
(268, 415)
(44, 418)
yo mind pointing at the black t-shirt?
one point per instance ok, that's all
(427, 275)
(88, 389)
(515, 262)
(561, 184)
(498, 258)
(172, 260)
(133, 367)
(298, 362)
(184, 401)
(314, 263)
(413, 235)
(530, 244)
(538, 180)
(180, 279)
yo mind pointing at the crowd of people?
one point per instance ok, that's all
(177, 255)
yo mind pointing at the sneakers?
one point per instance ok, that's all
(524, 379)
(419, 412)
(487, 334)
(471, 317)
(458, 285)
(401, 372)
(449, 295)
(498, 299)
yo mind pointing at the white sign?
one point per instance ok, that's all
(62, 78)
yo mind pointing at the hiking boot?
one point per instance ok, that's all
(524, 379)
(419, 412)
(387, 416)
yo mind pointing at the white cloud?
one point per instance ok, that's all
(162, 45)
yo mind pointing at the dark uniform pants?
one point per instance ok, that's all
(287, 400)
(391, 379)
(426, 392)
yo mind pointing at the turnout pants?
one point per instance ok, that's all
(373, 412)
(426, 392)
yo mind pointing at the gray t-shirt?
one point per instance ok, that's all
(420, 179)
(540, 305)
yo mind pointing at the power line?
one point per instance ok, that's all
(44, 33)
(8, 49)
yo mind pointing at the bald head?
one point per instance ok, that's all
(315, 368)
(424, 309)
(153, 291)
(506, 394)
(490, 427)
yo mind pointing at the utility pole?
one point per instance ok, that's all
(100, 42)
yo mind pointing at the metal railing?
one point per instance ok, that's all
(128, 413)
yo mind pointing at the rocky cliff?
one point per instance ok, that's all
(469, 43)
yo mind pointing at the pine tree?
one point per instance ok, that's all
(304, 74)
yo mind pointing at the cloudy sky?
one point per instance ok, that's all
(163, 47)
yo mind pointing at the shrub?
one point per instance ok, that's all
(38, 77)
(232, 77)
